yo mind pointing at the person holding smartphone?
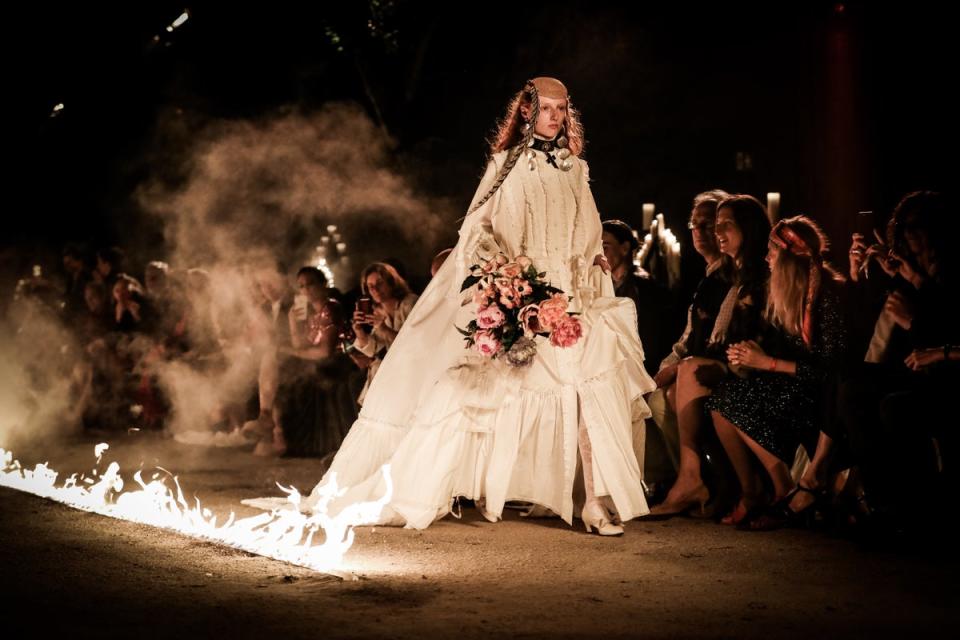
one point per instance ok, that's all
(386, 302)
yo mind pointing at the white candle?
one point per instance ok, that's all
(660, 227)
(648, 209)
(773, 206)
(644, 250)
(331, 228)
(674, 263)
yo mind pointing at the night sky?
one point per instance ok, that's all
(840, 107)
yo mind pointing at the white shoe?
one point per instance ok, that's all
(481, 505)
(595, 516)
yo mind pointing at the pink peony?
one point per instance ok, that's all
(490, 317)
(529, 318)
(486, 343)
(501, 259)
(553, 311)
(524, 262)
(566, 333)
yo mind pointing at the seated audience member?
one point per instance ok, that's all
(764, 415)
(742, 230)
(701, 315)
(653, 301)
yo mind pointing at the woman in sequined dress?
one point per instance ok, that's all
(767, 414)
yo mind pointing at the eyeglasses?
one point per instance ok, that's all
(702, 227)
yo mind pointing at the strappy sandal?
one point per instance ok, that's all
(780, 515)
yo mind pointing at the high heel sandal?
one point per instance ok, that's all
(594, 516)
(779, 514)
(682, 507)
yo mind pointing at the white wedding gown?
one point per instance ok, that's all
(453, 423)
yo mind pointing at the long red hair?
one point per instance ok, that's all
(509, 131)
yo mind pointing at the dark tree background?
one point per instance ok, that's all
(840, 107)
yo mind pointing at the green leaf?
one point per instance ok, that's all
(468, 282)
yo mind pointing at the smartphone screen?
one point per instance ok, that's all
(365, 305)
(865, 224)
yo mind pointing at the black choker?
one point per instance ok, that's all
(546, 145)
(556, 146)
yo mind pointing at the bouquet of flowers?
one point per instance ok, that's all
(514, 305)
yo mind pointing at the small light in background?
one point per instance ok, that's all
(183, 17)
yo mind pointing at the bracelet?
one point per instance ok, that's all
(773, 364)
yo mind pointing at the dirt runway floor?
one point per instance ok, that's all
(66, 573)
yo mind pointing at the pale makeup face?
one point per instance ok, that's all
(553, 113)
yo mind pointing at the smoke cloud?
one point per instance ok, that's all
(244, 196)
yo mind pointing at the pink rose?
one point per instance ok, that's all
(566, 333)
(511, 270)
(529, 318)
(490, 317)
(524, 262)
(501, 259)
(553, 311)
(486, 343)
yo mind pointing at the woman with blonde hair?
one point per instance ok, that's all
(766, 415)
